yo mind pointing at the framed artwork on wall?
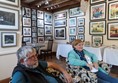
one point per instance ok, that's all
(48, 29)
(112, 11)
(40, 32)
(98, 11)
(60, 33)
(97, 27)
(76, 12)
(33, 22)
(80, 21)
(97, 39)
(34, 29)
(10, 2)
(27, 22)
(40, 23)
(41, 40)
(34, 40)
(72, 31)
(33, 11)
(72, 38)
(26, 31)
(81, 29)
(39, 14)
(9, 19)
(48, 18)
(60, 15)
(72, 22)
(112, 33)
(81, 36)
(34, 34)
(96, 1)
(27, 39)
(60, 23)
(8, 39)
(26, 12)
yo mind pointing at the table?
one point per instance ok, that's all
(111, 56)
(63, 49)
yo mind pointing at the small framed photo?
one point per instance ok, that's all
(112, 33)
(26, 31)
(60, 33)
(48, 29)
(48, 18)
(27, 39)
(76, 12)
(60, 15)
(72, 38)
(112, 11)
(96, 1)
(97, 39)
(72, 31)
(39, 14)
(34, 12)
(81, 36)
(34, 34)
(72, 22)
(41, 40)
(26, 22)
(48, 38)
(98, 11)
(33, 17)
(60, 23)
(34, 29)
(40, 32)
(97, 27)
(8, 39)
(33, 23)
(34, 40)
(80, 21)
(26, 12)
(40, 23)
(81, 30)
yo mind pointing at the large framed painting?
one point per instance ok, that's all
(8, 39)
(60, 23)
(60, 33)
(96, 1)
(113, 11)
(48, 30)
(27, 39)
(60, 15)
(10, 2)
(48, 18)
(72, 22)
(97, 39)
(39, 14)
(98, 11)
(40, 23)
(97, 27)
(112, 33)
(26, 31)
(76, 12)
(9, 18)
(26, 22)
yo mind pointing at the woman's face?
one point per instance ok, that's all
(79, 46)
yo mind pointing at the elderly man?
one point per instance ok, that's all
(30, 70)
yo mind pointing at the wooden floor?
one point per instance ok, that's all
(114, 69)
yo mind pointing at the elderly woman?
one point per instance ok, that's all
(80, 57)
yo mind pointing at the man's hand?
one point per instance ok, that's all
(90, 66)
(95, 65)
(68, 78)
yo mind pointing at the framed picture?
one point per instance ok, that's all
(41, 40)
(26, 31)
(60, 33)
(60, 15)
(72, 22)
(76, 12)
(34, 29)
(81, 29)
(34, 34)
(33, 22)
(81, 36)
(40, 32)
(112, 11)
(34, 17)
(97, 39)
(33, 11)
(40, 23)
(48, 18)
(98, 11)
(27, 22)
(72, 38)
(60, 23)
(26, 12)
(9, 19)
(80, 21)
(48, 29)
(96, 1)
(97, 27)
(27, 39)
(34, 40)
(48, 38)
(112, 32)
(8, 39)
(39, 14)
(10, 2)
(72, 31)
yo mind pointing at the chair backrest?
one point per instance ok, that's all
(50, 44)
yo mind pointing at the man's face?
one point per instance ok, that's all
(31, 61)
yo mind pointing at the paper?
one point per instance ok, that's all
(94, 69)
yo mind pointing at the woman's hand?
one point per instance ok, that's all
(95, 65)
(90, 66)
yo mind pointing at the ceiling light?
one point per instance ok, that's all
(46, 2)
